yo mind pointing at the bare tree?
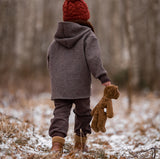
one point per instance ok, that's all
(129, 43)
(154, 14)
(129, 34)
(7, 38)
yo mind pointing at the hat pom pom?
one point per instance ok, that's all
(72, 0)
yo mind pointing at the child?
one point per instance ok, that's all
(72, 57)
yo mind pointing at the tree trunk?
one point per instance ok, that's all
(129, 42)
(154, 39)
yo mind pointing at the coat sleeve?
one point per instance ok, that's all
(92, 53)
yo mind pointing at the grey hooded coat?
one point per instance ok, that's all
(72, 57)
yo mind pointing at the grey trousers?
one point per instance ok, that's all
(60, 122)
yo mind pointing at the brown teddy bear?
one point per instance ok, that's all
(99, 114)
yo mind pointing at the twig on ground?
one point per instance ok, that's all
(10, 117)
(134, 154)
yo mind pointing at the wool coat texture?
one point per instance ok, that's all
(73, 56)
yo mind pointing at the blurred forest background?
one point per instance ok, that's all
(129, 34)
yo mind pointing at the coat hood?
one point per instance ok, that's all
(68, 33)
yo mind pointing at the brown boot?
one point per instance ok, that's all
(57, 145)
(80, 143)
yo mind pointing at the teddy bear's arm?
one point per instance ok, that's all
(93, 111)
(95, 116)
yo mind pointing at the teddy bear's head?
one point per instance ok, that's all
(111, 92)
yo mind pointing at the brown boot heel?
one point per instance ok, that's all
(80, 144)
(57, 146)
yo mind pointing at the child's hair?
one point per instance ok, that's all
(84, 23)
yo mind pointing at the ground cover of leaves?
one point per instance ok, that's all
(25, 119)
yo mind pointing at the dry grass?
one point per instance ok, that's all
(24, 122)
(17, 135)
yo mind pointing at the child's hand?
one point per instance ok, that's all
(107, 83)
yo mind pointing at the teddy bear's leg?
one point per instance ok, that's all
(102, 120)
(109, 110)
(94, 122)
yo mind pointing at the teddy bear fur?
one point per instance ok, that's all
(99, 114)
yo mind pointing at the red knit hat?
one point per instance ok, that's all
(75, 10)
